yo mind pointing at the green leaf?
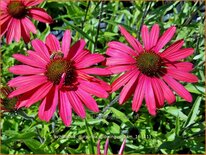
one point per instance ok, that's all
(193, 112)
(175, 112)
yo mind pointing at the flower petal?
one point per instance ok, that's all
(48, 105)
(40, 15)
(29, 25)
(87, 100)
(182, 66)
(96, 71)
(133, 41)
(121, 68)
(65, 109)
(178, 88)
(76, 104)
(52, 43)
(66, 41)
(32, 3)
(106, 146)
(145, 37)
(165, 38)
(120, 61)
(158, 92)
(154, 35)
(25, 70)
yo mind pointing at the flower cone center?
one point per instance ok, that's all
(17, 9)
(149, 63)
(57, 67)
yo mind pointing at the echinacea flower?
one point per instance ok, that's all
(150, 72)
(59, 75)
(15, 18)
(106, 147)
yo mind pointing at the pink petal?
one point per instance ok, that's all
(25, 70)
(17, 33)
(96, 71)
(4, 23)
(154, 35)
(41, 49)
(40, 93)
(26, 87)
(25, 33)
(129, 88)
(52, 43)
(180, 54)
(65, 109)
(172, 48)
(149, 97)
(89, 60)
(145, 37)
(37, 58)
(11, 31)
(116, 53)
(158, 92)
(48, 105)
(120, 61)
(93, 88)
(103, 84)
(76, 104)
(167, 93)
(178, 88)
(121, 68)
(138, 94)
(165, 38)
(122, 80)
(40, 15)
(121, 47)
(29, 25)
(22, 80)
(122, 147)
(32, 2)
(182, 76)
(182, 66)
(133, 41)
(66, 41)
(28, 61)
(76, 49)
(106, 146)
(3, 5)
(82, 55)
(87, 100)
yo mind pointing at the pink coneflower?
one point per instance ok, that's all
(106, 147)
(150, 71)
(15, 18)
(59, 75)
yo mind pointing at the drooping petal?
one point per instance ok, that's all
(182, 76)
(122, 147)
(17, 32)
(10, 31)
(29, 25)
(154, 35)
(40, 93)
(149, 97)
(40, 15)
(122, 80)
(4, 23)
(122, 48)
(25, 33)
(129, 88)
(87, 100)
(133, 42)
(32, 3)
(167, 93)
(76, 104)
(139, 94)
(65, 109)
(158, 92)
(66, 41)
(165, 38)
(93, 88)
(145, 37)
(172, 48)
(25, 70)
(178, 88)
(180, 54)
(48, 105)
(52, 43)
(98, 147)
